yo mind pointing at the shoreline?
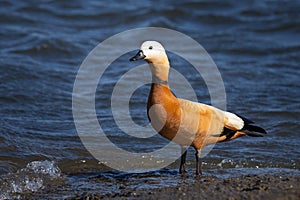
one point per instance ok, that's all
(231, 184)
(273, 186)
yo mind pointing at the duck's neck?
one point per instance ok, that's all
(160, 73)
(160, 87)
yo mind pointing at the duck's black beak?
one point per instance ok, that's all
(139, 56)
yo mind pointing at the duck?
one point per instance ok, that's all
(185, 122)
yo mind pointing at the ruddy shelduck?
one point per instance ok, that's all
(185, 122)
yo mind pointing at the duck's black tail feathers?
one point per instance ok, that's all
(250, 129)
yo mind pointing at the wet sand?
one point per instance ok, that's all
(262, 186)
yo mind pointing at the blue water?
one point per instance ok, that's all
(255, 45)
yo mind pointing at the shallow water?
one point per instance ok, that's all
(254, 44)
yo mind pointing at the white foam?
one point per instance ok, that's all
(29, 179)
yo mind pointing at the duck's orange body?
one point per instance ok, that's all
(194, 124)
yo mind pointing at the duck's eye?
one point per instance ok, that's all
(150, 47)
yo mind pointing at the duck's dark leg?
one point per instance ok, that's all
(182, 162)
(198, 163)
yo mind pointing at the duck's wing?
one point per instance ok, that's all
(214, 121)
(209, 120)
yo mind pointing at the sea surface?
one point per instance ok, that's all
(254, 44)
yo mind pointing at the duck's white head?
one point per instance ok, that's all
(154, 53)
